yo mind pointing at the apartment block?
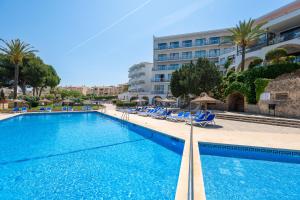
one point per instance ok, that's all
(171, 52)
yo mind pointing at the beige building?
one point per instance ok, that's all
(82, 89)
(107, 90)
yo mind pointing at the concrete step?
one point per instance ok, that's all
(261, 120)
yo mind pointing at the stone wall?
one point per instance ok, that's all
(285, 93)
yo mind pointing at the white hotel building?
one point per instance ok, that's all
(170, 52)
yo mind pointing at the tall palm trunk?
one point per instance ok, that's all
(16, 81)
(243, 57)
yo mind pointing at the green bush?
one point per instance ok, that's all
(125, 104)
(244, 82)
(32, 100)
(256, 62)
(260, 85)
(275, 55)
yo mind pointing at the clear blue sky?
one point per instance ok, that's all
(94, 42)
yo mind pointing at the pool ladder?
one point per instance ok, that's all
(125, 116)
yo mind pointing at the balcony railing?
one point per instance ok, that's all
(186, 58)
(169, 67)
(160, 80)
(276, 40)
(158, 92)
(189, 46)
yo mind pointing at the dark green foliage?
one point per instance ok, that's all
(175, 86)
(125, 104)
(244, 82)
(2, 96)
(275, 55)
(195, 78)
(260, 85)
(256, 62)
(32, 100)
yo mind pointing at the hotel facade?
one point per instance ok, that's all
(282, 28)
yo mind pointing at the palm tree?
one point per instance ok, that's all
(16, 50)
(244, 34)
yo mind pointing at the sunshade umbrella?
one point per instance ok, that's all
(67, 101)
(87, 102)
(204, 99)
(167, 101)
(139, 101)
(45, 101)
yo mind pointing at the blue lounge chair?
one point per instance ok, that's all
(145, 113)
(209, 120)
(23, 109)
(70, 108)
(197, 119)
(175, 117)
(163, 115)
(42, 109)
(49, 109)
(16, 109)
(186, 117)
(64, 108)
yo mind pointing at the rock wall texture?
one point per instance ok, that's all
(285, 93)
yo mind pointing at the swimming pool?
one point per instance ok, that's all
(240, 172)
(85, 156)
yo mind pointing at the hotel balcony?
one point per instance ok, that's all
(277, 40)
(160, 80)
(167, 47)
(167, 67)
(185, 58)
(158, 92)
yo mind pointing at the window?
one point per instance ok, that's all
(200, 54)
(200, 42)
(159, 87)
(159, 77)
(173, 67)
(187, 43)
(162, 46)
(161, 67)
(174, 56)
(174, 44)
(162, 57)
(187, 55)
(169, 76)
(214, 52)
(214, 40)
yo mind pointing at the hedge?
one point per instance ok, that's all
(244, 82)
(260, 85)
(125, 104)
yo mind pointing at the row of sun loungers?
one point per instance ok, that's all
(200, 118)
(49, 109)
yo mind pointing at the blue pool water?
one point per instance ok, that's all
(246, 173)
(85, 156)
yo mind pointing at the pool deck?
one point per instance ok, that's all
(224, 132)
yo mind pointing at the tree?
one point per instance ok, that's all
(16, 50)
(276, 55)
(175, 86)
(51, 79)
(35, 73)
(2, 96)
(245, 34)
(195, 79)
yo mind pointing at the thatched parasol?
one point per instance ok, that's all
(45, 101)
(204, 99)
(67, 101)
(87, 102)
